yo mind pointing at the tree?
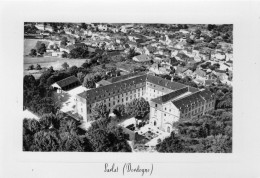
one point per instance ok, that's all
(207, 39)
(99, 140)
(138, 108)
(217, 65)
(73, 70)
(105, 137)
(211, 27)
(91, 79)
(72, 142)
(208, 133)
(190, 41)
(197, 31)
(132, 53)
(99, 110)
(172, 144)
(50, 69)
(81, 76)
(84, 26)
(47, 121)
(46, 141)
(31, 67)
(89, 82)
(69, 126)
(212, 45)
(65, 65)
(38, 67)
(33, 52)
(65, 54)
(42, 49)
(64, 41)
(86, 65)
(31, 125)
(78, 52)
(119, 110)
(217, 144)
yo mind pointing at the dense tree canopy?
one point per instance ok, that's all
(91, 79)
(208, 133)
(65, 65)
(33, 53)
(78, 52)
(41, 49)
(53, 133)
(105, 137)
(119, 110)
(37, 98)
(138, 107)
(64, 41)
(99, 110)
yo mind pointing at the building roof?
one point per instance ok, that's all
(113, 53)
(209, 82)
(182, 55)
(167, 97)
(200, 72)
(67, 81)
(120, 85)
(142, 58)
(103, 82)
(220, 71)
(125, 77)
(132, 43)
(112, 89)
(180, 69)
(194, 98)
(164, 82)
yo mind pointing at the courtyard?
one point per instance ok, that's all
(67, 99)
(144, 138)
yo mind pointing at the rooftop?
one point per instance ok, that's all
(193, 98)
(124, 77)
(167, 97)
(67, 81)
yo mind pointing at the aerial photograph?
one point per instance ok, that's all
(127, 87)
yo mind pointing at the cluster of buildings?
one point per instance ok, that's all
(168, 49)
(169, 101)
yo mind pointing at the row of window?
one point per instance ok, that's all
(130, 92)
(193, 107)
(152, 85)
(122, 95)
(118, 101)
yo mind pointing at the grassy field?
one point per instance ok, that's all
(31, 44)
(55, 62)
(48, 62)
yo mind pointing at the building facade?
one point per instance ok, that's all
(169, 101)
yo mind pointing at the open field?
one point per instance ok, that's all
(47, 62)
(55, 62)
(31, 44)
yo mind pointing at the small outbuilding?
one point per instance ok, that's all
(66, 84)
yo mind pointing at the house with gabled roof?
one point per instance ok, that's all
(200, 74)
(142, 58)
(180, 70)
(65, 84)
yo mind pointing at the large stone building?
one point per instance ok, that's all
(169, 101)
